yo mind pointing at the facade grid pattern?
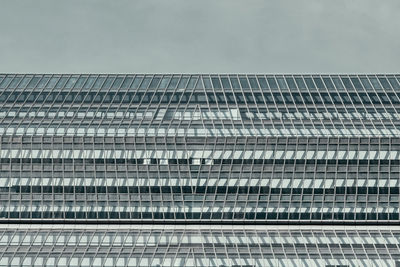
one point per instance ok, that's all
(197, 151)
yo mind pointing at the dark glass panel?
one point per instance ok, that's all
(154, 82)
(328, 82)
(392, 81)
(207, 83)
(375, 83)
(216, 83)
(253, 83)
(173, 83)
(309, 83)
(366, 83)
(80, 82)
(272, 83)
(225, 82)
(300, 83)
(356, 83)
(244, 83)
(347, 83)
(291, 83)
(34, 81)
(61, 83)
(337, 82)
(234, 82)
(319, 83)
(117, 83)
(384, 83)
(183, 82)
(136, 82)
(281, 83)
(164, 82)
(262, 82)
(99, 82)
(192, 82)
(145, 83)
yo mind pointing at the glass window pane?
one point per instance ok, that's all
(319, 83)
(15, 82)
(291, 83)
(61, 82)
(375, 83)
(356, 82)
(366, 83)
(136, 82)
(281, 83)
(5, 82)
(235, 82)
(99, 82)
(145, 83)
(89, 82)
(337, 82)
(24, 82)
(272, 83)
(384, 83)
(34, 82)
(244, 83)
(310, 83)
(52, 83)
(225, 83)
(216, 83)
(262, 82)
(117, 83)
(253, 82)
(127, 82)
(164, 82)
(79, 83)
(192, 82)
(328, 82)
(173, 83)
(154, 82)
(71, 82)
(207, 82)
(300, 83)
(394, 83)
(347, 83)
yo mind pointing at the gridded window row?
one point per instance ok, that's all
(248, 98)
(262, 190)
(261, 217)
(193, 81)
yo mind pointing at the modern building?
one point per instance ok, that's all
(199, 170)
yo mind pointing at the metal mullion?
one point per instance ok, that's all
(168, 107)
(108, 106)
(120, 107)
(208, 177)
(257, 105)
(390, 100)
(92, 104)
(246, 103)
(362, 103)
(296, 105)
(126, 180)
(136, 109)
(373, 106)
(228, 106)
(246, 145)
(334, 106)
(147, 90)
(69, 106)
(285, 105)
(352, 104)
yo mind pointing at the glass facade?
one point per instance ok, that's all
(198, 149)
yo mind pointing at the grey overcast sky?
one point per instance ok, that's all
(207, 36)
